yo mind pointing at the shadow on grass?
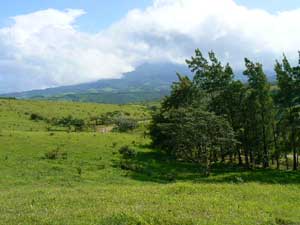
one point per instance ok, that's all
(152, 166)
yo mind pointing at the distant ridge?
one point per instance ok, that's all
(149, 82)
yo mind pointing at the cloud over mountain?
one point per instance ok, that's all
(46, 48)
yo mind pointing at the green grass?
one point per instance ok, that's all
(89, 186)
(15, 114)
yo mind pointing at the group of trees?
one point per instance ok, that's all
(214, 117)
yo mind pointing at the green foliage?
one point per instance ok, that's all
(127, 152)
(210, 75)
(56, 154)
(288, 100)
(258, 131)
(184, 128)
(125, 124)
(15, 114)
(260, 113)
(36, 117)
(90, 187)
(192, 134)
(70, 122)
(85, 181)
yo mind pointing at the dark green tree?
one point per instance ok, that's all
(288, 99)
(259, 108)
(184, 129)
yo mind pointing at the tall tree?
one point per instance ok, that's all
(260, 106)
(210, 75)
(288, 95)
(185, 129)
(226, 95)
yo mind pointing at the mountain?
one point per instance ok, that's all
(148, 82)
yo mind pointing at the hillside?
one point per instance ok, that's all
(15, 114)
(63, 177)
(147, 83)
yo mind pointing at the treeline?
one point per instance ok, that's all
(214, 117)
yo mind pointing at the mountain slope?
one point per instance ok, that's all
(148, 82)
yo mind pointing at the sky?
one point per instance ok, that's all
(62, 42)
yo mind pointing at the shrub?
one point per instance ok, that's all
(127, 165)
(114, 144)
(125, 124)
(55, 155)
(79, 170)
(127, 152)
(36, 117)
(70, 122)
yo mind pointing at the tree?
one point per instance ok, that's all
(192, 134)
(184, 129)
(232, 106)
(225, 95)
(183, 94)
(287, 98)
(211, 77)
(259, 109)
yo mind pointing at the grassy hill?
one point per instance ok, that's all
(59, 177)
(15, 114)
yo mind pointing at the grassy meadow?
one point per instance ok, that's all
(90, 183)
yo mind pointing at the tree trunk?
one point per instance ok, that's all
(222, 155)
(246, 158)
(286, 161)
(295, 166)
(277, 154)
(277, 163)
(240, 157)
(252, 163)
(230, 158)
(266, 151)
(293, 144)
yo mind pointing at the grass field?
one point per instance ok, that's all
(88, 185)
(15, 114)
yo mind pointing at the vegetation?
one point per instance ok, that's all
(215, 118)
(215, 140)
(57, 116)
(90, 187)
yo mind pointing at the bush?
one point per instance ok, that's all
(125, 124)
(129, 166)
(107, 118)
(127, 152)
(70, 122)
(55, 155)
(36, 117)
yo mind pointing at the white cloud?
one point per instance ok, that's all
(46, 46)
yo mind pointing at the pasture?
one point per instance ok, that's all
(58, 177)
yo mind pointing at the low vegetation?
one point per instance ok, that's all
(218, 152)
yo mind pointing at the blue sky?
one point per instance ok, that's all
(101, 13)
(49, 43)
(271, 5)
